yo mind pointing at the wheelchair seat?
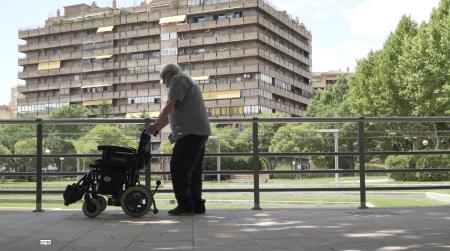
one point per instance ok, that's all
(118, 156)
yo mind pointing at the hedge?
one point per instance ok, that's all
(419, 162)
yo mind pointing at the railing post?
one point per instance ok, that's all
(148, 168)
(362, 166)
(255, 166)
(39, 167)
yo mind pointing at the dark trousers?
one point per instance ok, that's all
(186, 168)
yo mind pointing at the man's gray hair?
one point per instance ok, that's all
(174, 68)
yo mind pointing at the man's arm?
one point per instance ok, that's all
(162, 119)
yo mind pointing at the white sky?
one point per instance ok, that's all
(343, 30)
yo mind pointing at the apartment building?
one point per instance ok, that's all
(323, 80)
(248, 57)
(15, 95)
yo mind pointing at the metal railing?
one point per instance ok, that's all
(255, 154)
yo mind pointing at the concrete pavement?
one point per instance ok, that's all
(351, 229)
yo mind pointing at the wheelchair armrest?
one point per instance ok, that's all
(117, 148)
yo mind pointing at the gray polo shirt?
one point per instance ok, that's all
(189, 115)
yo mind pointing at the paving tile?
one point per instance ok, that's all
(6, 240)
(292, 244)
(75, 248)
(223, 239)
(269, 234)
(16, 233)
(31, 245)
(230, 248)
(172, 246)
(164, 236)
(374, 245)
(275, 229)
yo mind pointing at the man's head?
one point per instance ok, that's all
(167, 72)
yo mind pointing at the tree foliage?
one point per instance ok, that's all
(409, 76)
(102, 135)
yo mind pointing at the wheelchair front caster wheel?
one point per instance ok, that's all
(93, 210)
(155, 211)
(103, 203)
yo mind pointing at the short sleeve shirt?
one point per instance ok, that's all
(189, 115)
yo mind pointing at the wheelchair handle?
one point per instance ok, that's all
(155, 134)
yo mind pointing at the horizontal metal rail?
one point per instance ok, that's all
(255, 154)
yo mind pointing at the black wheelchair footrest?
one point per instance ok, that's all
(73, 193)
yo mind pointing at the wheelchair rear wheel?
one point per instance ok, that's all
(136, 201)
(92, 211)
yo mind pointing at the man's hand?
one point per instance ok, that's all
(151, 128)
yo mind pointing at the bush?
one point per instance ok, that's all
(420, 162)
(369, 167)
(282, 175)
(227, 163)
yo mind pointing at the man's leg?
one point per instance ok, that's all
(196, 185)
(184, 157)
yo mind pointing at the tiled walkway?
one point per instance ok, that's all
(415, 228)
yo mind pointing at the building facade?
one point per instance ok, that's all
(15, 96)
(323, 80)
(247, 56)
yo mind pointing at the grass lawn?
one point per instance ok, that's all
(343, 181)
(406, 202)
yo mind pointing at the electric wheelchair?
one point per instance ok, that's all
(116, 176)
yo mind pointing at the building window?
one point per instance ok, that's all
(219, 17)
(238, 62)
(15, 102)
(199, 19)
(251, 109)
(238, 14)
(156, 54)
(194, 2)
(331, 82)
(220, 64)
(169, 51)
(199, 50)
(76, 77)
(166, 36)
(137, 56)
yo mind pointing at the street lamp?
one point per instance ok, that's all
(61, 168)
(46, 168)
(218, 157)
(336, 149)
(162, 165)
(293, 168)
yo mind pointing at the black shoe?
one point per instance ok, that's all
(199, 208)
(180, 211)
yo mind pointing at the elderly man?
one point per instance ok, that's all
(185, 111)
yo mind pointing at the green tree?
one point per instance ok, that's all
(102, 135)
(289, 138)
(424, 70)
(27, 146)
(58, 138)
(10, 134)
(104, 111)
(407, 77)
